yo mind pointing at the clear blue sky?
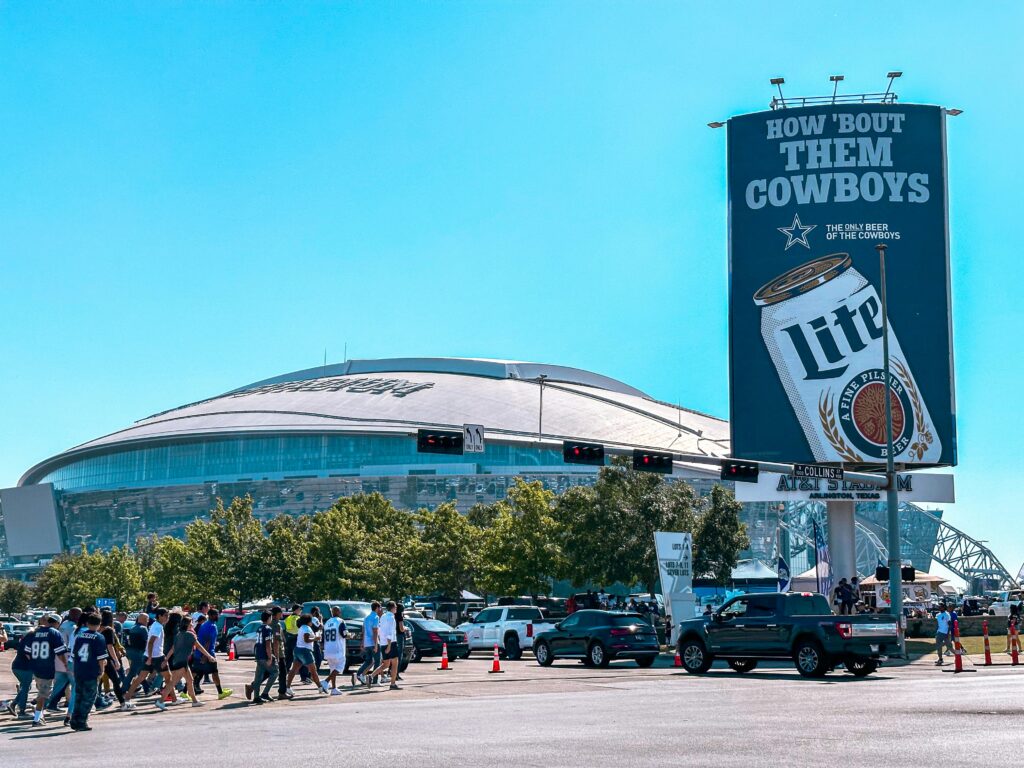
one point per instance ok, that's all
(198, 195)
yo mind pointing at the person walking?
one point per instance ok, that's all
(135, 648)
(277, 627)
(387, 638)
(1012, 622)
(335, 633)
(206, 633)
(400, 637)
(90, 661)
(45, 645)
(302, 656)
(155, 659)
(21, 668)
(115, 654)
(185, 642)
(266, 662)
(317, 623)
(371, 646)
(941, 633)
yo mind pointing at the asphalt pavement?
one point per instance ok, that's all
(571, 715)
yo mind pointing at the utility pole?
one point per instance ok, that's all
(892, 501)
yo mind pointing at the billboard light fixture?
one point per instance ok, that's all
(716, 124)
(777, 82)
(953, 112)
(836, 78)
(894, 75)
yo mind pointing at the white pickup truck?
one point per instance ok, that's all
(510, 627)
(1001, 605)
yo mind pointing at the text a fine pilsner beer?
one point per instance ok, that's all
(822, 324)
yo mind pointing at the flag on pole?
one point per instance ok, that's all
(784, 575)
(822, 563)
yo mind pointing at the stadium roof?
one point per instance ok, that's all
(399, 396)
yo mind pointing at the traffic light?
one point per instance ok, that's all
(439, 441)
(908, 574)
(652, 461)
(740, 471)
(583, 453)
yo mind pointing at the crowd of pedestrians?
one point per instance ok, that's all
(88, 660)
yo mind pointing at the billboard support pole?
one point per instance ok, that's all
(892, 501)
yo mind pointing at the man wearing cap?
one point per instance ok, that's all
(44, 645)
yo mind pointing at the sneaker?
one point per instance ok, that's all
(127, 707)
(81, 727)
(286, 696)
(325, 687)
(939, 663)
(198, 703)
(199, 691)
(10, 708)
(258, 700)
(265, 698)
(336, 692)
(67, 720)
(248, 691)
(161, 705)
(290, 693)
(224, 694)
(40, 721)
(394, 687)
(100, 705)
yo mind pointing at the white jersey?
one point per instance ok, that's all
(334, 638)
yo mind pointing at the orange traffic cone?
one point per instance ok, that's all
(988, 651)
(231, 651)
(496, 665)
(678, 662)
(444, 658)
(958, 652)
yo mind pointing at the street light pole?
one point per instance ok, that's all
(540, 415)
(128, 534)
(892, 501)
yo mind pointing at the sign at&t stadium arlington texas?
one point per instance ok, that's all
(812, 191)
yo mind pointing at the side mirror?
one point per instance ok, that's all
(717, 618)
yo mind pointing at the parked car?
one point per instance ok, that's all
(245, 639)
(228, 618)
(455, 613)
(352, 613)
(16, 630)
(1001, 605)
(430, 635)
(511, 628)
(794, 625)
(598, 637)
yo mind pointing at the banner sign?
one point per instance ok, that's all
(812, 190)
(785, 578)
(911, 487)
(675, 562)
(822, 563)
(912, 593)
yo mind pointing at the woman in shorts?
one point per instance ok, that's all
(184, 644)
(304, 655)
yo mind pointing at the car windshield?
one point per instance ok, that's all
(432, 625)
(358, 611)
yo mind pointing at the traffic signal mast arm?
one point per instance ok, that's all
(867, 478)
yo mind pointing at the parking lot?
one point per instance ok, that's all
(569, 714)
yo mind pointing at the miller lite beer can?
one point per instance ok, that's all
(822, 325)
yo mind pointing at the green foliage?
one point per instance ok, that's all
(520, 550)
(80, 578)
(607, 532)
(719, 537)
(14, 596)
(446, 553)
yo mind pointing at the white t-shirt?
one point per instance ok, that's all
(942, 619)
(156, 629)
(305, 638)
(387, 633)
(334, 637)
(195, 617)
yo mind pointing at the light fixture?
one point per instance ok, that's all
(953, 112)
(892, 76)
(777, 82)
(835, 80)
(715, 124)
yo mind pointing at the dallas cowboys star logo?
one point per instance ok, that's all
(796, 226)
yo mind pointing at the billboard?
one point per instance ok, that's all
(812, 190)
(30, 521)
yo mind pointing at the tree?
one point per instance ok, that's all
(67, 581)
(607, 533)
(719, 537)
(446, 551)
(14, 596)
(520, 551)
(386, 558)
(288, 544)
(167, 569)
(337, 541)
(228, 554)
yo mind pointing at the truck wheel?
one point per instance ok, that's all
(543, 654)
(512, 650)
(861, 667)
(695, 657)
(743, 665)
(809, 658)
(597, 655)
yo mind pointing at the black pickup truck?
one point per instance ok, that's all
(792, 625)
